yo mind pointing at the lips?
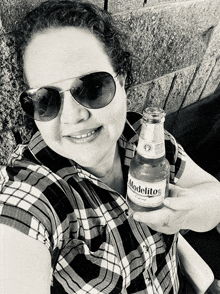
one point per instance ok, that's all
(84, 136)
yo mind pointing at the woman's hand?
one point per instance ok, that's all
(168, 220)
(196, 208)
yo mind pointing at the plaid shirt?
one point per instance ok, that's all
(95, 247)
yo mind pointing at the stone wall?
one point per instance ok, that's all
(176, 57)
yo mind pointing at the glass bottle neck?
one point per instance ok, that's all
(152, 161)
(151, 141)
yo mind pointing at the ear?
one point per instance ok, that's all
(122, 78)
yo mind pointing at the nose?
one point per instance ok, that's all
(72, 112)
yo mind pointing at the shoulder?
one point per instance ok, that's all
(39, 197)
(176, 156)
(25, 190)
(173, 147)
(132, 127)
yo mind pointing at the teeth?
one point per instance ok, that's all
(84, 135)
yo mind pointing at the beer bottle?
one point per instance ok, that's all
(149, 171)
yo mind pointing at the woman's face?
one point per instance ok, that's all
(87, 136)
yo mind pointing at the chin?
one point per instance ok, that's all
(88, 164)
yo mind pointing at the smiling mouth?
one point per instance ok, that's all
(84, 135)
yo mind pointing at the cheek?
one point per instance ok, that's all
(49, 130)
(118, 115)
(122, 103)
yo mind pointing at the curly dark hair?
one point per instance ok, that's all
(54, 13)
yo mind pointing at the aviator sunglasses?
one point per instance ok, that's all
(93, 91)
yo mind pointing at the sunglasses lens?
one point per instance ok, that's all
(42, 105)
(95, 90)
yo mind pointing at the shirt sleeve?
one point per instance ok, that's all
(25, 208)
(176, 156)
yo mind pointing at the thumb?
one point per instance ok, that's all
(179, 203)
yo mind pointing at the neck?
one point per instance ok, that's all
(105, 167)
(111, 173)
(113, 168)
(114, 179)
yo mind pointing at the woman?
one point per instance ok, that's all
(67, 187)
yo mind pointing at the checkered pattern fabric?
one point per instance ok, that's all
(95, 247)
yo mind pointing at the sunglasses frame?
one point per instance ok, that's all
(33, 91)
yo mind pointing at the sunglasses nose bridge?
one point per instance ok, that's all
(71, 110)
(71, 92)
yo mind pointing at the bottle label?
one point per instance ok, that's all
(146, 194)
(151, 141)
(149, 149)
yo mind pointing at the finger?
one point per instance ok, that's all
(152, 217)
(179, 203)
(175, 191)
(159, 224)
